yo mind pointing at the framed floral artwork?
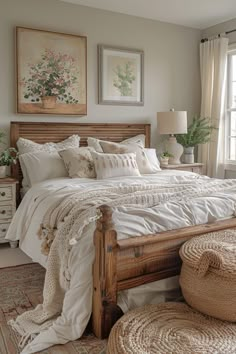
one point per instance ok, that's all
(120, 76)
(51, 72)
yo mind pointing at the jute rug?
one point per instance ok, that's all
(21, 290)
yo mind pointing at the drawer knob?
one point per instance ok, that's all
(3, 194)
(4, 230)
(3, 212)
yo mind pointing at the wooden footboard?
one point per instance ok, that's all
(127, 263)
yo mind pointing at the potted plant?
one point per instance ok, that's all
(8, 157)
(199, 132)
(164, 157)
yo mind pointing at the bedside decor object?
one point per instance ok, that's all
(7, 207)
(51, 72)
(8, 157)
(164, 158)
(120, 76)
(173, 122)
(199, 132)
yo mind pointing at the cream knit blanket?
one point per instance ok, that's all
(63, 226)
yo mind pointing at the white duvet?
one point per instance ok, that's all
(129, 221)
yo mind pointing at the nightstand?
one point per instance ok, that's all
(7, 207)
(192, 167)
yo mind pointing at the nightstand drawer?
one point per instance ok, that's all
(3, 230)
(5, 193)
(6, 212)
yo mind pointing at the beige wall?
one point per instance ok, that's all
(212, 31)
(171, 58)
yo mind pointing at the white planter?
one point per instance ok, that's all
(3, 171)
(164, 161)
(189, 155)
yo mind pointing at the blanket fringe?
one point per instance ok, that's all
(26, 338)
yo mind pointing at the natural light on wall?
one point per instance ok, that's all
(231, 141)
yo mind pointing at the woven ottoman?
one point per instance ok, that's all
(208, 274)
(171, 328)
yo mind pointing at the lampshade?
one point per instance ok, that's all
(172, 122)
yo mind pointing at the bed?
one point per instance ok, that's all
(119, 264)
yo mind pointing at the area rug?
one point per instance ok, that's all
(21, 289)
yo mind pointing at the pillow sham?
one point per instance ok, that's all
(147, 163)
(27, 146)
(115, 165)
(95, 143)
(79, 162)
(40, 166)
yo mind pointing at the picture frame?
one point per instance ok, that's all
(120, 76)
(51, 72)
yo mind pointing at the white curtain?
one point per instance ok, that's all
(213, 62)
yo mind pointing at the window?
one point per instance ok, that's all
(231, 109)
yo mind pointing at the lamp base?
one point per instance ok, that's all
(174, 149)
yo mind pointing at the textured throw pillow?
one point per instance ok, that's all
(26, 146)
(40, 166)
(79, 162)
(145, 159)
(115, 165)
(96, 143)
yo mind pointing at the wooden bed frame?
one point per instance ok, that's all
(119, 264)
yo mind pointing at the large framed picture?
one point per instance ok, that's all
(51, 72)
(120, 76)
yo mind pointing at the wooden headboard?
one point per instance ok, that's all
(55, 132)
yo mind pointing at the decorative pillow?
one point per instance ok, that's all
(115, 165)
(147, 164)
(27, 146)
(79, 162)
(40, 166)
(138, 139)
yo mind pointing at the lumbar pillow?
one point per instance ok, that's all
(96, 143)
(79, 162)
(27, 146)
(145, 158)
(40, 166)
(115, 165)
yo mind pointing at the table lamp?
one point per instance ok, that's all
(173, 122)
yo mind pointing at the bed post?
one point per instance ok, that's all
(105, 309)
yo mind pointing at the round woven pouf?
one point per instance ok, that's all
(171, 328)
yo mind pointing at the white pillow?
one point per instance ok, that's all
(79, 162)
(115, 165)
(147, 164)
(26, 146)
(40, 166)
(138, 139)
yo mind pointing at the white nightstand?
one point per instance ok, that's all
(7, 207)
(192, 167)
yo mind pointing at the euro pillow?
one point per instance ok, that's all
(146, 158)
(40, 166)
(26, 146)
(115, 165)
(79, 162)
(96, 143)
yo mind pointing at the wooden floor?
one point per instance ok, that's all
(12, 256)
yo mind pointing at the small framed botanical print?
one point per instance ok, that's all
(120, 76)
(51, 72)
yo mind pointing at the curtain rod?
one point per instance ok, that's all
(219, 34)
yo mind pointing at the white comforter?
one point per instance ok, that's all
(129, 222)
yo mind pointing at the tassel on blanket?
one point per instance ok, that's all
(26, 338)
(47, 234)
